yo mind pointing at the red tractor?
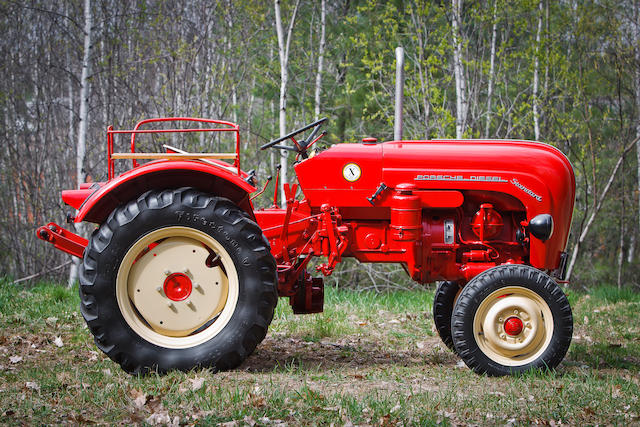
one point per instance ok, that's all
(182, 272)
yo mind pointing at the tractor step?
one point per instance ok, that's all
(63, 239)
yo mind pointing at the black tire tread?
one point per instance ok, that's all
(443, 302)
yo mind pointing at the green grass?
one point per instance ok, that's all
(368, 359)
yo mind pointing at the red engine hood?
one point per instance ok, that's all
(536, 174)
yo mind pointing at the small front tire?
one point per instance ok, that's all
(443, 302)
(511, 319)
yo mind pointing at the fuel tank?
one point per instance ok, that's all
(445, 173)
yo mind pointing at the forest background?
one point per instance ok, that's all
(564, 72)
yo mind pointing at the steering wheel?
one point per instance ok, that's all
(302, 146)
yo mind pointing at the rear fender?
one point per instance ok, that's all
(163, 175)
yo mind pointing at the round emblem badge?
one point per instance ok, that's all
(351, 172)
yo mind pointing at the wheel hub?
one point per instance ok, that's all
(177, 287)
(513, 326)
(172, 288)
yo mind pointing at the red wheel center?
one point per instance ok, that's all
(513, 326)
(177, 286)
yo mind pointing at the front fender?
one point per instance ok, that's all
(165, 174)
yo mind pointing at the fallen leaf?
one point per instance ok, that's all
(162, 418)
(139, 398)
(51, 320)
(15, 359)
(32, 385)
(257, 401)
(58, 342)
(196, 383)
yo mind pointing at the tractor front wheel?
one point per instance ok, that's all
(178, 279)
(446, 295)
(511, 319)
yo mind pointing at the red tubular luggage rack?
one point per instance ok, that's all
(111, 156)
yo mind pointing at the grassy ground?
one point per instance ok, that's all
(368, 359)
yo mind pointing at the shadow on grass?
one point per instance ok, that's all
(603, 356)
(283, 354)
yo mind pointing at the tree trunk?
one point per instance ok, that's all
(458, 69)
(323, 13)
(283, 52)
(536, 77)
(603, 195)
(492, 61)
(637, 80)
(83, 118)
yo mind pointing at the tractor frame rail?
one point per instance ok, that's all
(63, 239)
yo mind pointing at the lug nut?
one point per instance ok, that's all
(199, 288)
(172, 307)
(159, 289)
(167, 272)
(191, 305)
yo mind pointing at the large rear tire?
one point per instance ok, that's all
(178, 279)
(511, 319)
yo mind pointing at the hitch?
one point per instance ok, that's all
(62, 239)
(309, 297)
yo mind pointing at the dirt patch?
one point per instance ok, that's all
(277, 352)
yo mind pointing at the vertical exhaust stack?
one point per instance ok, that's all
(397, 126)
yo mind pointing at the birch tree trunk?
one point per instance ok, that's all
(323, 13)
(492, 62)
(83, 118)
(598, 206)
(636, 34)
(536, 77)
(461, 90)
(283, 52)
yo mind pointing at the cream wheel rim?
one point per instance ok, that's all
(521, 345)
(158, 309)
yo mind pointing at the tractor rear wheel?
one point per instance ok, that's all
(510, 319)
(178, 279)
(443, 302)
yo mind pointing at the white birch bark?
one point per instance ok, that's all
(492, 62)
(283, 52)
(83, 118)
(458, 69)
(323, 14)
(536, 77)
